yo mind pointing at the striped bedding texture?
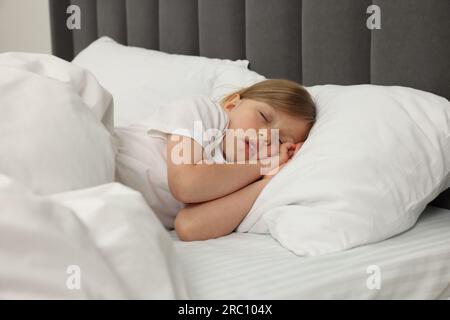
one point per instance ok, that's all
(412, 265)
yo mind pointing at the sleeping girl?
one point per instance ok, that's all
(201, 164)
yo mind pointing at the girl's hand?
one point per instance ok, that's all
(287, 151)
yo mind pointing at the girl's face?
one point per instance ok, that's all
(257, 121)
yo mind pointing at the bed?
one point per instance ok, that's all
(312, 42)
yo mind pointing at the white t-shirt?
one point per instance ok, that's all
(141, 162)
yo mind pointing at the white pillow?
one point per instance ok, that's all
(141, 79)
(51, 133)
(372, 162)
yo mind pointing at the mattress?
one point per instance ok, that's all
(412, 265)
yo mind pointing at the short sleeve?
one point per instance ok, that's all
(196, 117)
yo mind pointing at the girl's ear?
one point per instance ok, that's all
(231, 103)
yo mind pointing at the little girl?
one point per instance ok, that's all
(201, 164)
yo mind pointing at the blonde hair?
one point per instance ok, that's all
(281, 94)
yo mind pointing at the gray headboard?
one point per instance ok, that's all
(309, 41)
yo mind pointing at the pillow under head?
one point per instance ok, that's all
(374, 159)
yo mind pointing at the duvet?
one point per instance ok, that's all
(67, 230)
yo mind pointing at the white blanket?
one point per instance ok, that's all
(67, 231)
(97, 243)
(55, 124)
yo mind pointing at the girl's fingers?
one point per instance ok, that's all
(291, 149)
(287, 145)
(290, 145)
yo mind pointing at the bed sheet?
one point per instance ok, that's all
(412, 265)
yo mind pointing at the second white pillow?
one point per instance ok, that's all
(140, 79)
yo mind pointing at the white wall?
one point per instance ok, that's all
(25, 26)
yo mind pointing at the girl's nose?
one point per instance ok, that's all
(265, 136)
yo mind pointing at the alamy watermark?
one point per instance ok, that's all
(73, 22)
(373, 281)
(374, 20)
(73, 281)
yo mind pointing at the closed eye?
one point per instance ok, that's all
(264, 117)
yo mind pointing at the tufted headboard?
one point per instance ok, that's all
(309, 41)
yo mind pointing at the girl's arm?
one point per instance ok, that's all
(194, 182)
(218, 217)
